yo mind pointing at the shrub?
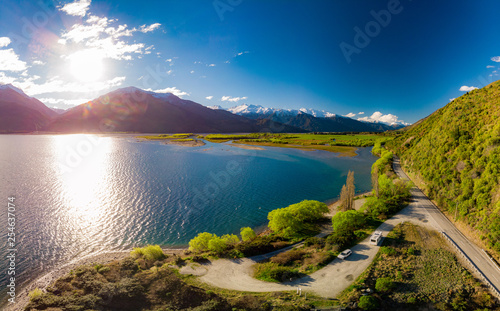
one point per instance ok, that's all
(387, 250)
(272, 272)
(314, 241)
(34, 294)
(230, 239)
(348, 222)
(288, 257)
(384, 285)
(295, 219)
(247, 234)
(200, 242)
(217, 245)
(368, 303)
(150, 252)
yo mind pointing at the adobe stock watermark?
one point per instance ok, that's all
(363, 37)
(223, 6)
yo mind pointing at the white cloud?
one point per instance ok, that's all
(211, 65)
(192, 71)
(56, 85)
(378, 116)
(4, 41)
(99, 33)
(465, 88)
(58, 102)
(452, 99)
(241, 53)
(149, 28)
(77, 8)
(490, 66)
(350, 115)
(361, 112)
(496, 59)
(209, 97)
(9, 61)
(38, 62)
(227, 62)
(4, 79)
(172, 90)
(232, 99)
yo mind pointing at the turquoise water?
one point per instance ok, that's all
(82, 194)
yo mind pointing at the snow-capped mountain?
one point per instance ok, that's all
(310, 119)
(246, 110)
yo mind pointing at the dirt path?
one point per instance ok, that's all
(327, 282)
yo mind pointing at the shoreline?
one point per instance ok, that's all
(43, 281)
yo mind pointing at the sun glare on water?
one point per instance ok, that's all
(86, 66)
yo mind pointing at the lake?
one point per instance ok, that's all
(77, 195)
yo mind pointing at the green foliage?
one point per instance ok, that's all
(34, 294)
(384, 285)
(217, 244)
(348, 221)
(296, 219)
(200, 242)
(150, 252)
(247, 234)
(260, 245)
(273, 272)
(314, 241)
(455, 153)
(230, 239)
(387, 250)
(368, 303)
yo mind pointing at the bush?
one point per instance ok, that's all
(314, 241)
(368, 303)
(217, 245)
(348, 222)
(247, 234)
(387, 250)
(272, 272)
(297, 218)
(260, 245)
(384, 285)
(34, 294)
(150, 252)
(200, 242)
(288, 257)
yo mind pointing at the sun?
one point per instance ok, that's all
(87, 65)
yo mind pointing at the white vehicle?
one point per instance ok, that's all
(345, 254)
(376, 237)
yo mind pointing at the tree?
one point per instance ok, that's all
(200, 242)
(384, 285)
(217, 245)
(375, 181)
(296, 218)
(230, 239)
(351, 190)
(347, 222)
(368, 303)
(247, 234)
(344, 198)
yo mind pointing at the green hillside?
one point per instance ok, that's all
(455, 153)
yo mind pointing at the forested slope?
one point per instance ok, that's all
(455, 152)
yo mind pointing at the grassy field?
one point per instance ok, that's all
(339, 143)
(167, 136)
(416, 269)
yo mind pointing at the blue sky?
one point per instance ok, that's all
(403, 59)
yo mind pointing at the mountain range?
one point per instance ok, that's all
(131, 109)
(310, 120)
